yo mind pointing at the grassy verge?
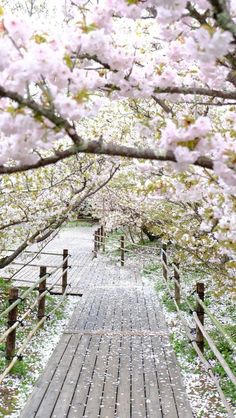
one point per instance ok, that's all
(79, 223)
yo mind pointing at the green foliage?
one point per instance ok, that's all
(4, 285)
(79, 223)
(152, 268)
(168, 302)
(183, 348)
(20, 369)
(227, 386)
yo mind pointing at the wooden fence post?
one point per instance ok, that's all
(42, 288)
(12, 318)
(65, 270)
(164, 259)
(177, 283)
(99, 237)
(103, 238)
(95, 245)
(122, 250)
(97, 232)
(200, 314)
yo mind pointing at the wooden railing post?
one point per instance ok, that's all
(177, 283)
(103, 238)
(122, 250)
(12, 318)
(200, 313)
(95, 244)
(65, 270)
(42, 288)
(99, 238)
(164, 259)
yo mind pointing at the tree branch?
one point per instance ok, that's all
(110, 149)
(201, 91)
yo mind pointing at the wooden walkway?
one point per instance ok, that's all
(114, 359)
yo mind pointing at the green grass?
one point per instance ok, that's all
(4, 285)
(79, 223)
(20, 369)
(152, 268)
(183, 348)
(227, 386)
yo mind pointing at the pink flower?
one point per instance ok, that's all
(18, 29)
(184, 155)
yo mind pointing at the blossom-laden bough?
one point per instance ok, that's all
(52, 81)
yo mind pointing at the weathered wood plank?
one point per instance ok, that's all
(164, 382)
(95, 398)
(152, 390)
(108, 405)
(50, 398)
(34, 401)
(64, 399)
(80, 398)
(123, 407)
(138, 383)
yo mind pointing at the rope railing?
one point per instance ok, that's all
(23, 296)
(33, 265)
(29, 337)
(195, 346)
(204, 333)
(149, 247)
(30, 309)
(206, 309)
(37, 253)
(30, 289)
(216, 352)
(211, 316)
(20, 280)
(208, 312)
(217, 324)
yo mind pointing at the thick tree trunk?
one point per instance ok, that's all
(152, 237)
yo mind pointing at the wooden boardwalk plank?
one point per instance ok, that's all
(124, 395)
(95, 398)
(64, 400)
(51, 396)
(152, 390)
(80, 398)
(43, 383)
(109, 395)
(138, 391)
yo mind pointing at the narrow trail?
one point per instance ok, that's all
(114, 359)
